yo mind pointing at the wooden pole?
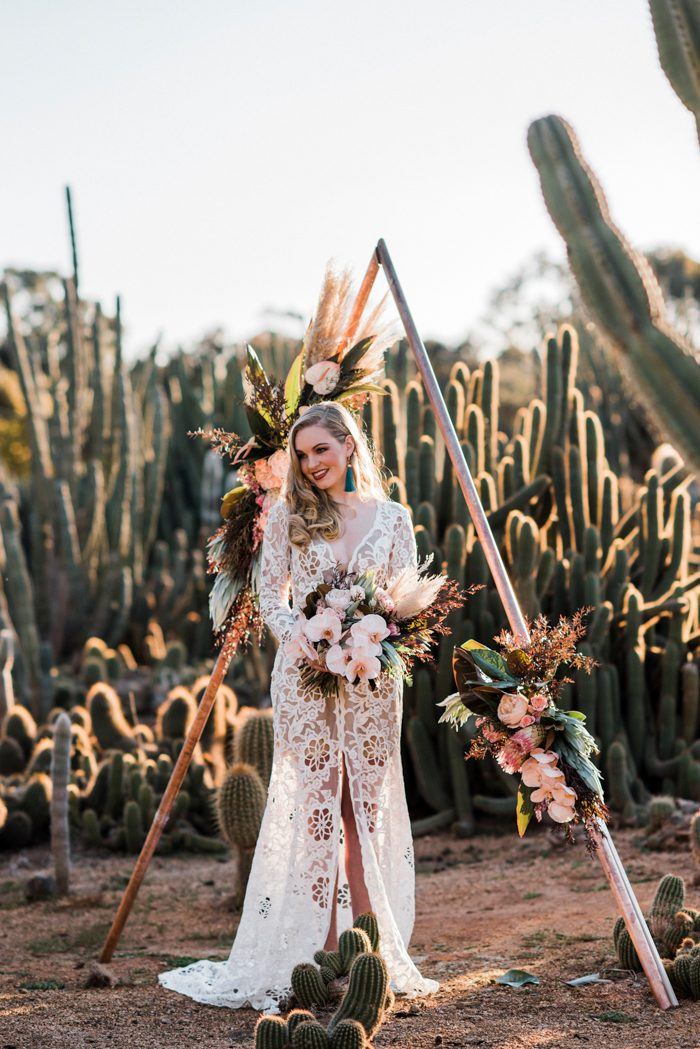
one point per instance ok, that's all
(606, 851)
(207, 701)
(168, 800)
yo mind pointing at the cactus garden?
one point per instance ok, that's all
(585, 456)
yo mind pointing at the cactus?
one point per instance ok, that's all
(695, 839)
(621, 292)
(296, 1017)
(108, 722)
(676, 29)
(175, 714)
(661, 809)
(349, 1034)
(365, 997)
(309, 1035)
(271, 1033)
(308, 987)
(368, 923)
(351, 943)
(254, 743)
(21, 726)
(240, 805)
(60, 776)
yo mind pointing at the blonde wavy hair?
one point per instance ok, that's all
(311, 510)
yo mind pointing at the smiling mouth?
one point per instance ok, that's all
(320, 474)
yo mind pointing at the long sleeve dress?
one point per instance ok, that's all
(287, 907)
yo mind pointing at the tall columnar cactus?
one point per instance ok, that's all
(618, 286)
(60, 778)
(254, 742)
(677, 28)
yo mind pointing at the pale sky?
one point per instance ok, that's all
(220, 153)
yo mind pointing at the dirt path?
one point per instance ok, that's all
(484, 905)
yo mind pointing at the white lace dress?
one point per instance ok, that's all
(286, 911)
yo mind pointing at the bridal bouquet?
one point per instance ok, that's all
(512, 696)
(352, 628)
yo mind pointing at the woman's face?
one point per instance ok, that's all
(322, 457)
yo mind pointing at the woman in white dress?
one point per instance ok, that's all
(336, 775)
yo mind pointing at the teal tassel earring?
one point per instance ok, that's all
(349, 479)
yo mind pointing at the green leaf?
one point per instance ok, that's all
(523, 810)
(575, 714)
(489, 661)
(292, 384)
(353, 356)
(517, 978)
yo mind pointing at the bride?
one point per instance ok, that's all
(336, 775)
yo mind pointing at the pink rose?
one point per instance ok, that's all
(323, 376)
(538, 703)
(278, 465)
(512, 709)
(324, 626)
(393, 630)
(526, 721)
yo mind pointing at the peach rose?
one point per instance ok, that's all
(512, 709)
(323, 376)
(526, 721)
(539, 702)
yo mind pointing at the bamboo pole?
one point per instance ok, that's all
(606, 851)
(207, 701)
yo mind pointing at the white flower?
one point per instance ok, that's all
(338, 599)
(323, 376)
(372, 626)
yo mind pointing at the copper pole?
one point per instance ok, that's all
(207, 701)
(167, 801)
(606, 852)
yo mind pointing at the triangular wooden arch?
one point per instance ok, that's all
(606, 852)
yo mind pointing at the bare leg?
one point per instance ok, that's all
(353, 865)
(353, 852)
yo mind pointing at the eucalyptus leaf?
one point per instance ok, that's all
(517, 978)
(581, 981)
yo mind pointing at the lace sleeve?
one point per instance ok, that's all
(403, 549)
(275, 579)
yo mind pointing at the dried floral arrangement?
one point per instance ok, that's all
(512, 696)
(326, 368)
(350, 628)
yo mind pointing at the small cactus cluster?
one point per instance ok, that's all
(354, 978)
(96, 773)
(676, 932)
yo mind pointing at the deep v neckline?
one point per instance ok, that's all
(361, 543)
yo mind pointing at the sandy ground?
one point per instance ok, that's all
(483, 906)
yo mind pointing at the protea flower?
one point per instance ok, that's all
(512, 756)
